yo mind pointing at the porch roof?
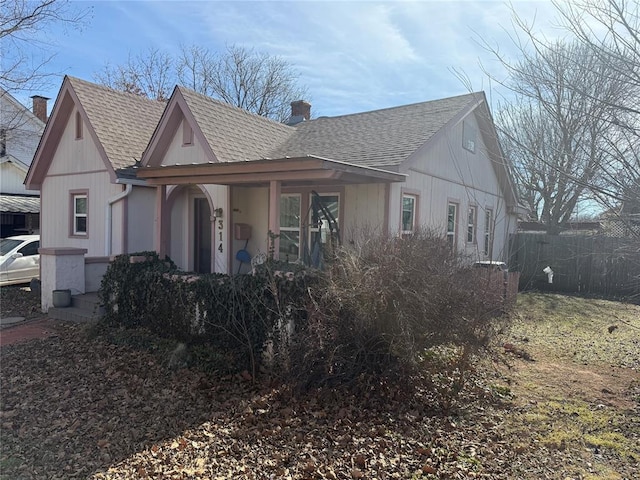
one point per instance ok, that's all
(290, 171)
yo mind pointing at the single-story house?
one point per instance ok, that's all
(200, 180)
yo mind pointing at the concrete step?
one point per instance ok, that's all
(84, 308)
(88, 301)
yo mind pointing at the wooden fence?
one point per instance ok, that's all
(581, 263)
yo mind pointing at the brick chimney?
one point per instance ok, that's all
(300, 111)
(40, 107)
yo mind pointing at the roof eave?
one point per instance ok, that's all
(54, 129)
(259, 172)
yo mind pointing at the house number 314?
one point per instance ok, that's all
(220, 227)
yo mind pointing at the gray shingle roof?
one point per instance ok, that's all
(375, 139)
(123, 122)
(234, 134)
(19, 204)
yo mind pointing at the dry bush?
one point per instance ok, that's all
(234, 317)
(383, 302)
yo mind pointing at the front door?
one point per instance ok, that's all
(202, 236)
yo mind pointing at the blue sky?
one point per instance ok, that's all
(352, 56)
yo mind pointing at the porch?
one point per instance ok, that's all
(214, 217)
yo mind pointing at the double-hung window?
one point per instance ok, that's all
(488, 228)
(471, 224)
(408, 213)
(290, 209)
(80, 213)
(306, 225)
(452, 222)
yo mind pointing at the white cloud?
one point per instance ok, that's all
(352, 55)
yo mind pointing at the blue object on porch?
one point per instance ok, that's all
(243, 256)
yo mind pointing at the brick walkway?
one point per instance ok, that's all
(40, 328)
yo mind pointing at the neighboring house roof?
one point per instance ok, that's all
(15, 162)
(21, 131)
(26, 114)
(19, 204)
(120, 123)
(380, 138)
(532, 227)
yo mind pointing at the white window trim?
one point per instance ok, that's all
(313, 229)
(292, 229)
(471, 225)
(488, 230)
(297, 228)
(452, 234)
(305, 206)
(413, 213)
(75, 214)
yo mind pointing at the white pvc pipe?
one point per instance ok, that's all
(549, 273)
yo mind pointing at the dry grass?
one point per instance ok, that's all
(576, 329)
(581, 392)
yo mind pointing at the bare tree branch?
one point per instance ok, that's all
(257, 82)
(20, 23)
(572, 128)
(558, 129)
(149, 74)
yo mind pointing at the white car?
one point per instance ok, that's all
(19, 259)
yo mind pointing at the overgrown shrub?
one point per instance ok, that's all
(383, 302)
(236, 315)
(378, 310)
(129, 291)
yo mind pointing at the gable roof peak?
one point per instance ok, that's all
(189, 93)
(228, 133)
(119, 123)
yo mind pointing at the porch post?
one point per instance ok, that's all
(275, 189)
(161, 220)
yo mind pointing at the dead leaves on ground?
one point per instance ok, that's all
(78, 408)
